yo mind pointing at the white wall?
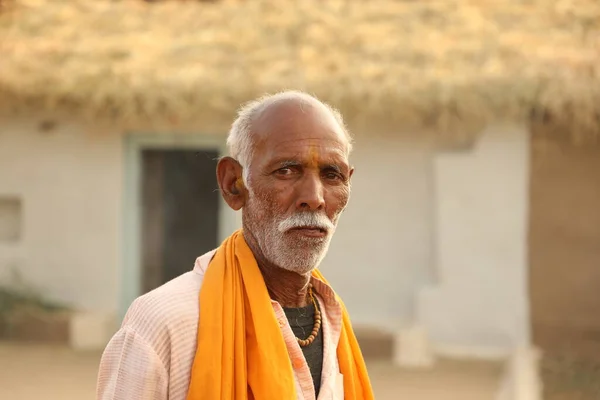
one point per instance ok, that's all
(481, 299)
(413, 217)
(382, 250)
(70, 183)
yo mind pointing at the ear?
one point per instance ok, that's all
(350, 173)
(229, 177)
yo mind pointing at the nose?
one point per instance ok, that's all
(310, 193)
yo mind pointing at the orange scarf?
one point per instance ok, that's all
(241, 353)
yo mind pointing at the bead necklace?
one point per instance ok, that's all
(317, 325)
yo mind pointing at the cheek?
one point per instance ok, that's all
(280, 195)
(337, 199)
(269, 200)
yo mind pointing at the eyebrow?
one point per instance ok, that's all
(288, 163)
(292, 163)
(334, 167)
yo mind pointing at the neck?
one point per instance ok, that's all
(288, 288)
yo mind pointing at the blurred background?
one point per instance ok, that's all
(469, 256)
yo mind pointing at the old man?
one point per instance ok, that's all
(254, 319)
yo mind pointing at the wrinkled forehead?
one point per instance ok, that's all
(296, 124)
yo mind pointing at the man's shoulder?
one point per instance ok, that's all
(171, 307)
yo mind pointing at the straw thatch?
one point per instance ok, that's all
(449, 65)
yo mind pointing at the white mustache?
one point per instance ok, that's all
(306, 219)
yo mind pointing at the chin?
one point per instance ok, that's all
(300, 269)
(295, 253)
(308, 264)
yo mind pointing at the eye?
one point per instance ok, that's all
(333, 176)
(285, 171)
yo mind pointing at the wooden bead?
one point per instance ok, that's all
(317, 324)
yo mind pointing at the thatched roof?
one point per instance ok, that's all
(449, 65)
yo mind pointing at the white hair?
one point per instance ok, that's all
(239, 141)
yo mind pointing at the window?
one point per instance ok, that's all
(10, 219)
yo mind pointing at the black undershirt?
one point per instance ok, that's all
(302, 321)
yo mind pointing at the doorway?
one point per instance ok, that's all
(180, 207)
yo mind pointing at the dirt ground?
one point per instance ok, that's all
(57, 373)
(570, 376)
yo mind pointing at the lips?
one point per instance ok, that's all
(309, 231)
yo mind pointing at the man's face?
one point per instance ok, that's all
(299, 183)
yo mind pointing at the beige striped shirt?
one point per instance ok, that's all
(151, 356)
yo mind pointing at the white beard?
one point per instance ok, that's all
(297, 254)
